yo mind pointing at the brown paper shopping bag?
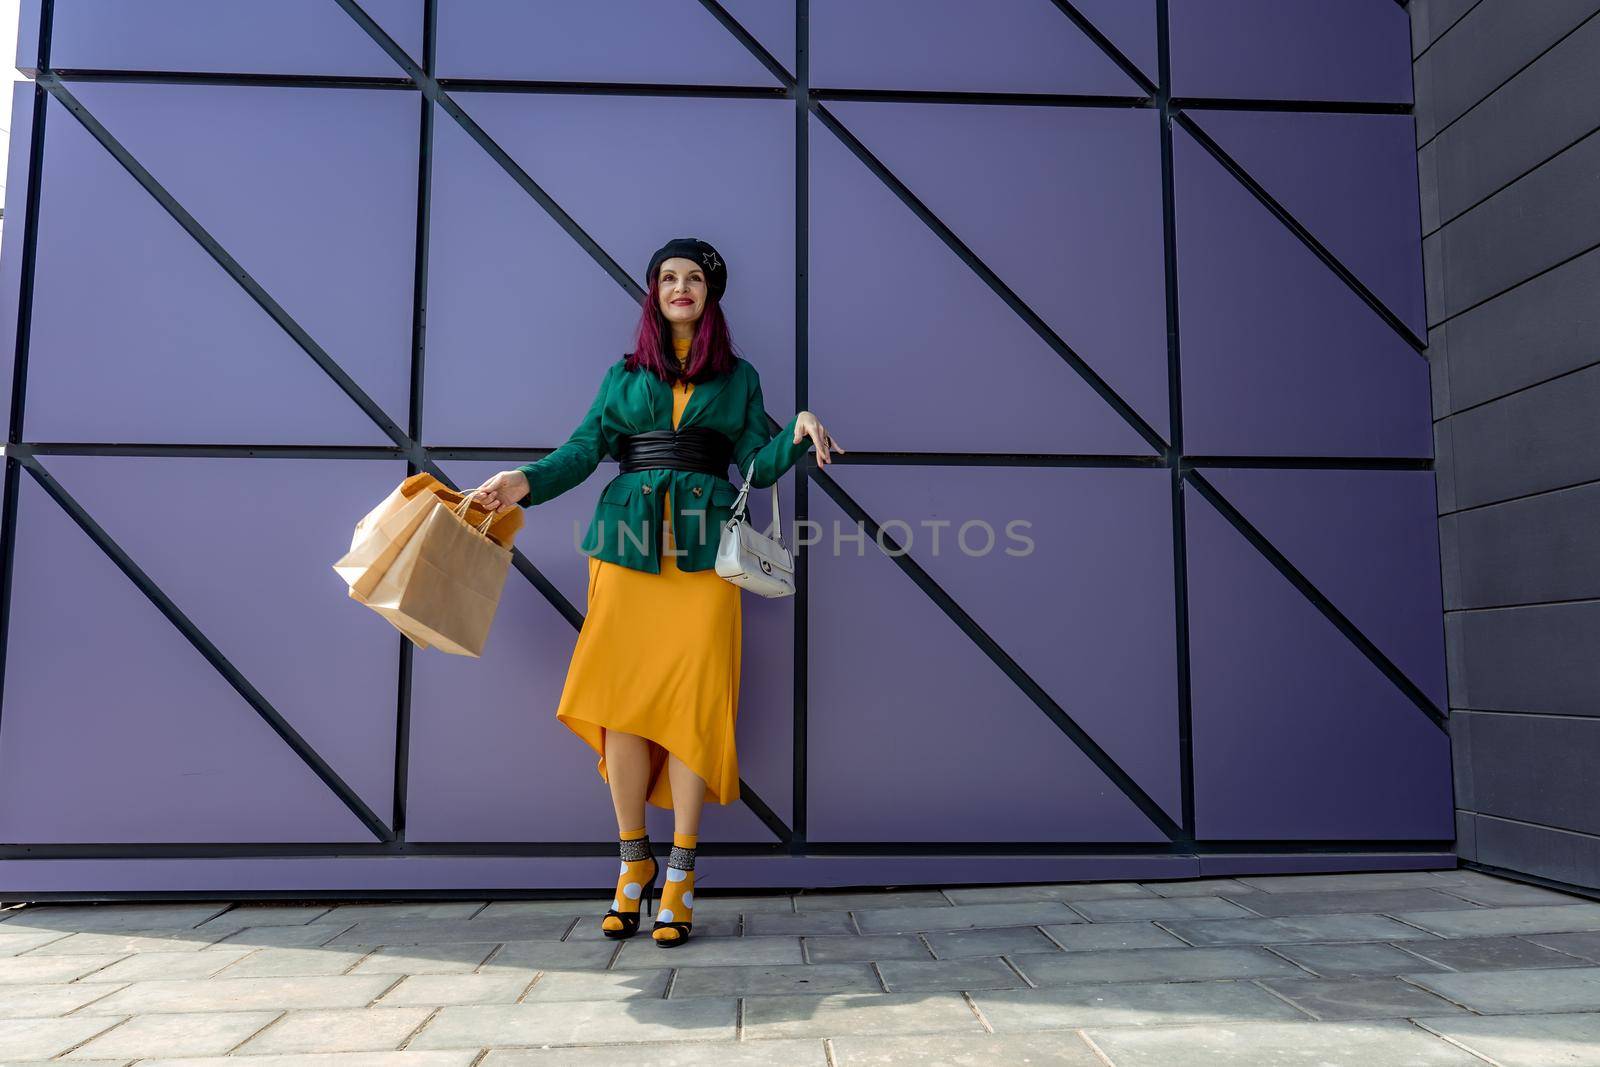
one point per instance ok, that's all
(384, 531)
(444, 584)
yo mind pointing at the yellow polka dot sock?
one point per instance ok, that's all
(677, 894)
(638, 872)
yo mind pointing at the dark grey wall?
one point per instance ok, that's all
(1507, 108)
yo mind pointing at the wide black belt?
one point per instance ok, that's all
(692, 448)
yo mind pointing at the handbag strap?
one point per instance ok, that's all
(744, 491)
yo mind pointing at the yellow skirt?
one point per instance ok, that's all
(658, 656)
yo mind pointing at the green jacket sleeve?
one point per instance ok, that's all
(773, 455)
(575, 460)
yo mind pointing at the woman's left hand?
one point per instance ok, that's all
(806, 425)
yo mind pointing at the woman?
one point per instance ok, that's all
(653, 685)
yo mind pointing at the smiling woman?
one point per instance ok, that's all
(660, 713)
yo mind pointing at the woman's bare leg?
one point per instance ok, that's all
(628, 773)
(688, 796)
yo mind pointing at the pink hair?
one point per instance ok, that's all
(710, 354)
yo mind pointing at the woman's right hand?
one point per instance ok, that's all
(502, 491)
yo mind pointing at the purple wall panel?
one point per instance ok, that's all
(771, 22)
(1270, 50)
(283, 37)
(169, 326)
(1130, 25)
(915, 735)
(253, 568)
(1369, 540)
(316, 196)
(888, 297)
(1349, 179)
(1296, 734)
(612, 41)
(18, 161)
(117, 730)
(1085, 605)
(1013, 46)
(1279, 356)
(1064, 204)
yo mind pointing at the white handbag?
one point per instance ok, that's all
(749, 558)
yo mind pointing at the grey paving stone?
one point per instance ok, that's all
(244, 916)
(642, 952)
(1153, 965)
(1351, 959)
(351, 1030)
(14, 944)
(1358, 998)
(800, 1052)
(425, 959)
(709, 903)
(23, 1002)
(599, 985)
(42, 970)
(1159, 1003)
(1517, 992)
(1319, 883)
(811, 923)
(1487, 922)
(120, 944)
(550, 909)
(705, 925)
(920, 976)
(999, 941)
(1197, 887)
(519, 956)
(1288, 930)
(1493, 953)
(1004, 894)
(142, 965)
(1097, 937)
(242, 994)
(445, 931)
(964, 917)
(114, 918)
(40, 1039)
(775, 980)
(311, 935)
(1103, 911)
(579, 1022)
(290, 963)
(1302, 1044)
(437, 990)
(966, 1050)
(860, 948)
(403, 910)
(828, 900)
(1525, 1040)
(1585, 945)
(1278, 905)
(856, 1013)
(462, 1058)
(1510, 894)
(208, 1033)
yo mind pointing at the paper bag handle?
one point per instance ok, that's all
(461, 510)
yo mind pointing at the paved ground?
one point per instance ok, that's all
(1364, 969)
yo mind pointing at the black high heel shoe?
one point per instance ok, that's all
(681, 927)
(630, 919)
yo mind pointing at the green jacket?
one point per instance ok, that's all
(626, 525)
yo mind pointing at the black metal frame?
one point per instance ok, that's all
(434, 92)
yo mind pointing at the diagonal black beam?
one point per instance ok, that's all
(1318, 599)
(1113, 53)
(1002, 659)
(1304, 235)
(1034, 321)
(202, 644)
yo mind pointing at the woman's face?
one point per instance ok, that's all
(682, 289)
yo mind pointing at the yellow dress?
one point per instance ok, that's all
(658, 656)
